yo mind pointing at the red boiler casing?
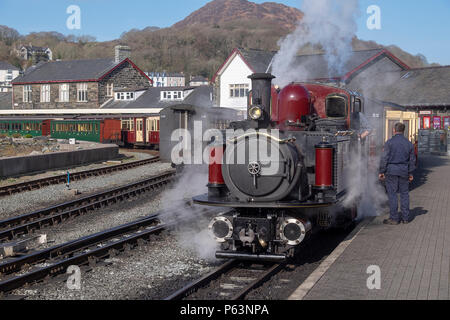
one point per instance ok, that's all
(324, 166)
(215, 167)
(293, 103)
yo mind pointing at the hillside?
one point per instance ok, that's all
(222, 11)
(196, 45)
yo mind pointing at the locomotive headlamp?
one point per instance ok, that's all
(255, 113)
(221, 228)
(294, 231)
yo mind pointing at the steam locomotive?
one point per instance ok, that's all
(285, 172)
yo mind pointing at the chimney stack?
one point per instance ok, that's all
(121, 53)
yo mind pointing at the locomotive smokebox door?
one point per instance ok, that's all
(254, 174)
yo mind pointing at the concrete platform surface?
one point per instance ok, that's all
(413, 259)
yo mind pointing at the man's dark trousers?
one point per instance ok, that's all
(395, 185)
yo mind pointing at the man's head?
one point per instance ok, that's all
(399, 128)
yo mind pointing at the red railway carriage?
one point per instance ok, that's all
(141, 131)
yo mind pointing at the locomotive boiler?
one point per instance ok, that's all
(285, 171)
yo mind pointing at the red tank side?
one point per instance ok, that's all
(293, 103)
(324, 166)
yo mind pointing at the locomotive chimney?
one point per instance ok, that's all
(259, 108)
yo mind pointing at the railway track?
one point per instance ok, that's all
(40, 183)
(27, 223)
(88, 250)
(231, 281)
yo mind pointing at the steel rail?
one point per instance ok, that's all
(203, 281)
(83, 251)
(39, 183)
(227, 267)
(259, 281)
(26, 223)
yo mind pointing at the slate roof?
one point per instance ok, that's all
(200, 96)
(5, 100)
(198, 79)
(424, 87)
(74, 70)
(315, 65)
(7, 66)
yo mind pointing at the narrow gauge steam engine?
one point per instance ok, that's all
(279, 200)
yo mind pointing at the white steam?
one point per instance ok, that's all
(192, 235)
(330, 24)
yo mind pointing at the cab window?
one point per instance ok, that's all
(336, 107)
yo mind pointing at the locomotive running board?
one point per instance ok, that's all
(278, 258)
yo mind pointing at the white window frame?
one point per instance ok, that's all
(64, 92)
(235, 90)
(110, 89)
(82, 92)
(27, 93)
(45, 93)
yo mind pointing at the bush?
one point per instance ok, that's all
(16, 135)
(28, 136)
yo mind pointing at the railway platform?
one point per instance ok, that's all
(402, 262)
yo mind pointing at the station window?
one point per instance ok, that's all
(82, 92)
(239, 90)
(336, 107)
(109, 89)
(27, 93)
(64, 92)
(45, 93)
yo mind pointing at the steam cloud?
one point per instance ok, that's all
(328, 23)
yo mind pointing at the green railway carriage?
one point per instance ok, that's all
(104, 131)
(87, 130)
(22, 127)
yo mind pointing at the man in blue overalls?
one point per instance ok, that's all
(396, 167)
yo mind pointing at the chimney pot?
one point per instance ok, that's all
(121, 53)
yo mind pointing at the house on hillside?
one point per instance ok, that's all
(39, 54)
(84, 84)
(232, 83)
(8, 73)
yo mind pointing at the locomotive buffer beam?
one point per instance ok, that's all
(278, 258)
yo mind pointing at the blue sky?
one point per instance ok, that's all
(415, 26)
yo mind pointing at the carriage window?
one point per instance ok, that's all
(336, 107)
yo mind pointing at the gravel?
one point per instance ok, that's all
(154, 270)
(33, 200)
(151, 271)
